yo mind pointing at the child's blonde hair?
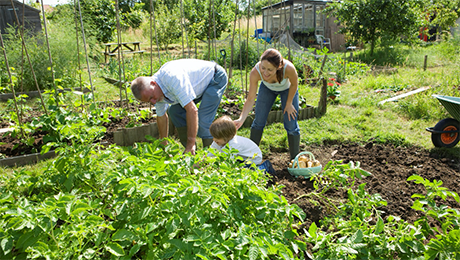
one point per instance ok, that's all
(223, 128)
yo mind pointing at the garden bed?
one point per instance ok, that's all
(390, 167)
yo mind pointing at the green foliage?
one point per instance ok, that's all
(132, 68)
(368, 20)
(446, 244)
(439, 13)
(135, 16)
(99, 19)
(355, 229)
(168, 26)
(243, 53)
(200, 18)
(63, 54)
(335, 64)
(148, 202)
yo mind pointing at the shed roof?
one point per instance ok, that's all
(291, 2)
(16, 3)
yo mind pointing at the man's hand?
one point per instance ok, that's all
(190, 150)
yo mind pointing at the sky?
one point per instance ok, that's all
(55, 2)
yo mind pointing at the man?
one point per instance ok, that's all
(178, 86)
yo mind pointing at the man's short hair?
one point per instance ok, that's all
(138, 85)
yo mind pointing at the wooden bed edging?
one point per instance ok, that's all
(26, 159)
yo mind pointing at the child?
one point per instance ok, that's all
(223, 131)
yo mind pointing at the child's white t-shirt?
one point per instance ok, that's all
(247, 149)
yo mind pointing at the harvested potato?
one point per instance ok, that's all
(302, 164)
(316, 163)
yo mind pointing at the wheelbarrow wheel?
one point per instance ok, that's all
(447, 140)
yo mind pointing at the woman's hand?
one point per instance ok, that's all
(290, 111)
(238, 123)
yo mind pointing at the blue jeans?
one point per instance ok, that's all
(210, 101)
(264, 103)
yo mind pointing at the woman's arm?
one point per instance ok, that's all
(254, 79)
(291, 74)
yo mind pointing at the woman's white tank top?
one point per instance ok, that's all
(283, 85)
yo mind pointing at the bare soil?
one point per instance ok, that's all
(390, 167)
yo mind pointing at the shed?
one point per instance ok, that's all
(303, 20)
(26, 13)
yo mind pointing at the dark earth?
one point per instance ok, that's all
(389, 165)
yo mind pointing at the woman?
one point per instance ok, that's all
(278, 77)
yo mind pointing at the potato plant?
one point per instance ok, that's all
(145, 202)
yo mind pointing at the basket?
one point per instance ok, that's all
(305, 172)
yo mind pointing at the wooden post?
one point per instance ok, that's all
(321, 110)
(424, 62)
(322, 67)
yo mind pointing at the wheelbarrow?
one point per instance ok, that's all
(446, 133)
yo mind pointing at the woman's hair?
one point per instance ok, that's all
(276, 59)
(223, 128)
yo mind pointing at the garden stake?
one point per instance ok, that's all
(78, 50)
(152, 20)
(86, 50)
(241, 59)
(182, 28)
(49, 55)
(255, 21)
(28, 58)
(121, 61)
(22, 50)
(289, 30)
(247, 49)
(233, 40)
(214, 40)
(209, 33)
(12, 85)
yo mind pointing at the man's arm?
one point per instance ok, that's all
(163, 125)
(192, 126)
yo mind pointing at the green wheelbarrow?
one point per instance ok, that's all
(446, 133)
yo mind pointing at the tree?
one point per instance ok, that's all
(197, 13)
(99, 18)
(439, 13)
(168, 25)
(372, 20)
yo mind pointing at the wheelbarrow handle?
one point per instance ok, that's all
(432, 130)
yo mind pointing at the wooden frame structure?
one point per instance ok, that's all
(303, 20)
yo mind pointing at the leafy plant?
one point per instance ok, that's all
(332, 88)
(145, 202)
(446, 244)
